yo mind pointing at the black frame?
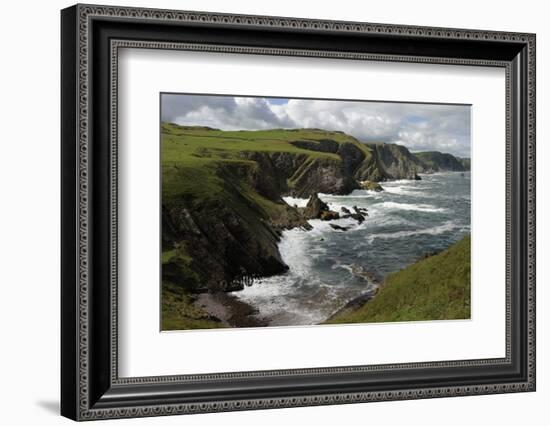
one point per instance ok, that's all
(90, 387)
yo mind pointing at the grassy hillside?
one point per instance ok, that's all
(204, 140)
(434, 288)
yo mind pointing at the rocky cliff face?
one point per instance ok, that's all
(221, 244)
(396, 162)
(283, 173)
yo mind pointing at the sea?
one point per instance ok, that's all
(328, 267)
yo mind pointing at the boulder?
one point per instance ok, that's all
(338, 227)
(359, 217)
(315, 206)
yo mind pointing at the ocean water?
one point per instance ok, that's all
(328, 268)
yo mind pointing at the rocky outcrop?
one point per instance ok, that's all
(330, 215)
(318, 209)
(338, 227)
(315, 207)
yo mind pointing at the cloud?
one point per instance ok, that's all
(420, 127)
(224, 112)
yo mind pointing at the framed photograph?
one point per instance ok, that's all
(263, 212)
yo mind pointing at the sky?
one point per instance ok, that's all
(419, 127)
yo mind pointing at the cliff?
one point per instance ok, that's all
(434, 161)
(434, 288)
(396, 162)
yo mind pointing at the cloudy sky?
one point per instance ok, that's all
(420, 127)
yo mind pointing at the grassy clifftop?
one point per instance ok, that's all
(200, 152)
(223, 143)
(434, 288)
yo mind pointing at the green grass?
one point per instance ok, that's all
(435, 288)
(182, 143)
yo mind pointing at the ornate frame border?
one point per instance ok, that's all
(85, 14)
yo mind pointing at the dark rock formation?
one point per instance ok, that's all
(338, 227)
(359, 217)
(329, 215)
(317, 209)
(359, 214)
(394, 162)
(315, 206)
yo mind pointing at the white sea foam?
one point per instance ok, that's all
(400, 182)
(294, 201)
(416, 207)
(436, 230)
(293, 249)
(404, 190)
(355, 194)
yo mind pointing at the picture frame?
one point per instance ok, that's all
(90, 384)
